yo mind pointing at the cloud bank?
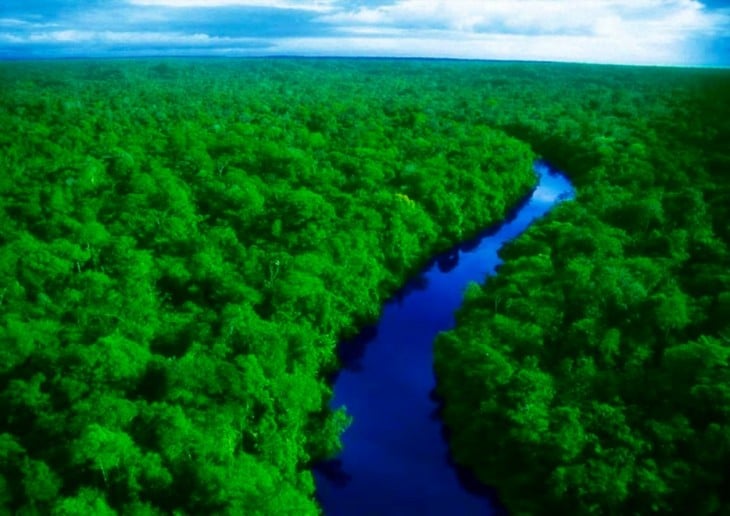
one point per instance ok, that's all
(307, 5)
(671, 32)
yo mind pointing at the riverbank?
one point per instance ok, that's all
(395, 459)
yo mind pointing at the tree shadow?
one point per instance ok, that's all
(351, 351)
(333, 471)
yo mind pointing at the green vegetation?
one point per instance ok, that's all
(591, 375)
(182, 243)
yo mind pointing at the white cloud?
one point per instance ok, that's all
(531, 16)
(447, 44)
(306, 5)
(606, 31)
(14, 23)
(11, 38)
(599, 31)
(80, 37)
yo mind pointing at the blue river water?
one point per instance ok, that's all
(395, 458)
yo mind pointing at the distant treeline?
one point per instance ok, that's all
(590, 376)
(182, 244)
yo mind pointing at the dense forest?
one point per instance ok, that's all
(591, 374)
(182, 245)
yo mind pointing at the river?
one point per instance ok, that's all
(395, 458)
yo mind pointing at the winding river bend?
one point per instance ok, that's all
(395, 459)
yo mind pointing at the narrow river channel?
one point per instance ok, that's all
(395, 459)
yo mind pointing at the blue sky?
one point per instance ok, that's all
(671, 32)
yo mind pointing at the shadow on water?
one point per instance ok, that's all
(416, 284)
(448, 262)
(352, 351)
(333, 470)
(395, 458)
(467, 479)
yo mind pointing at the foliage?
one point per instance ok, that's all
(182, 245)
(592, 374)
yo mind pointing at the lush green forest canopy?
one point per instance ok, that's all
(590, 376)
(184, 241)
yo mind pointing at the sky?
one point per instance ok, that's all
(653, 32)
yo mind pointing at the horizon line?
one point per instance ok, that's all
(346, 57)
